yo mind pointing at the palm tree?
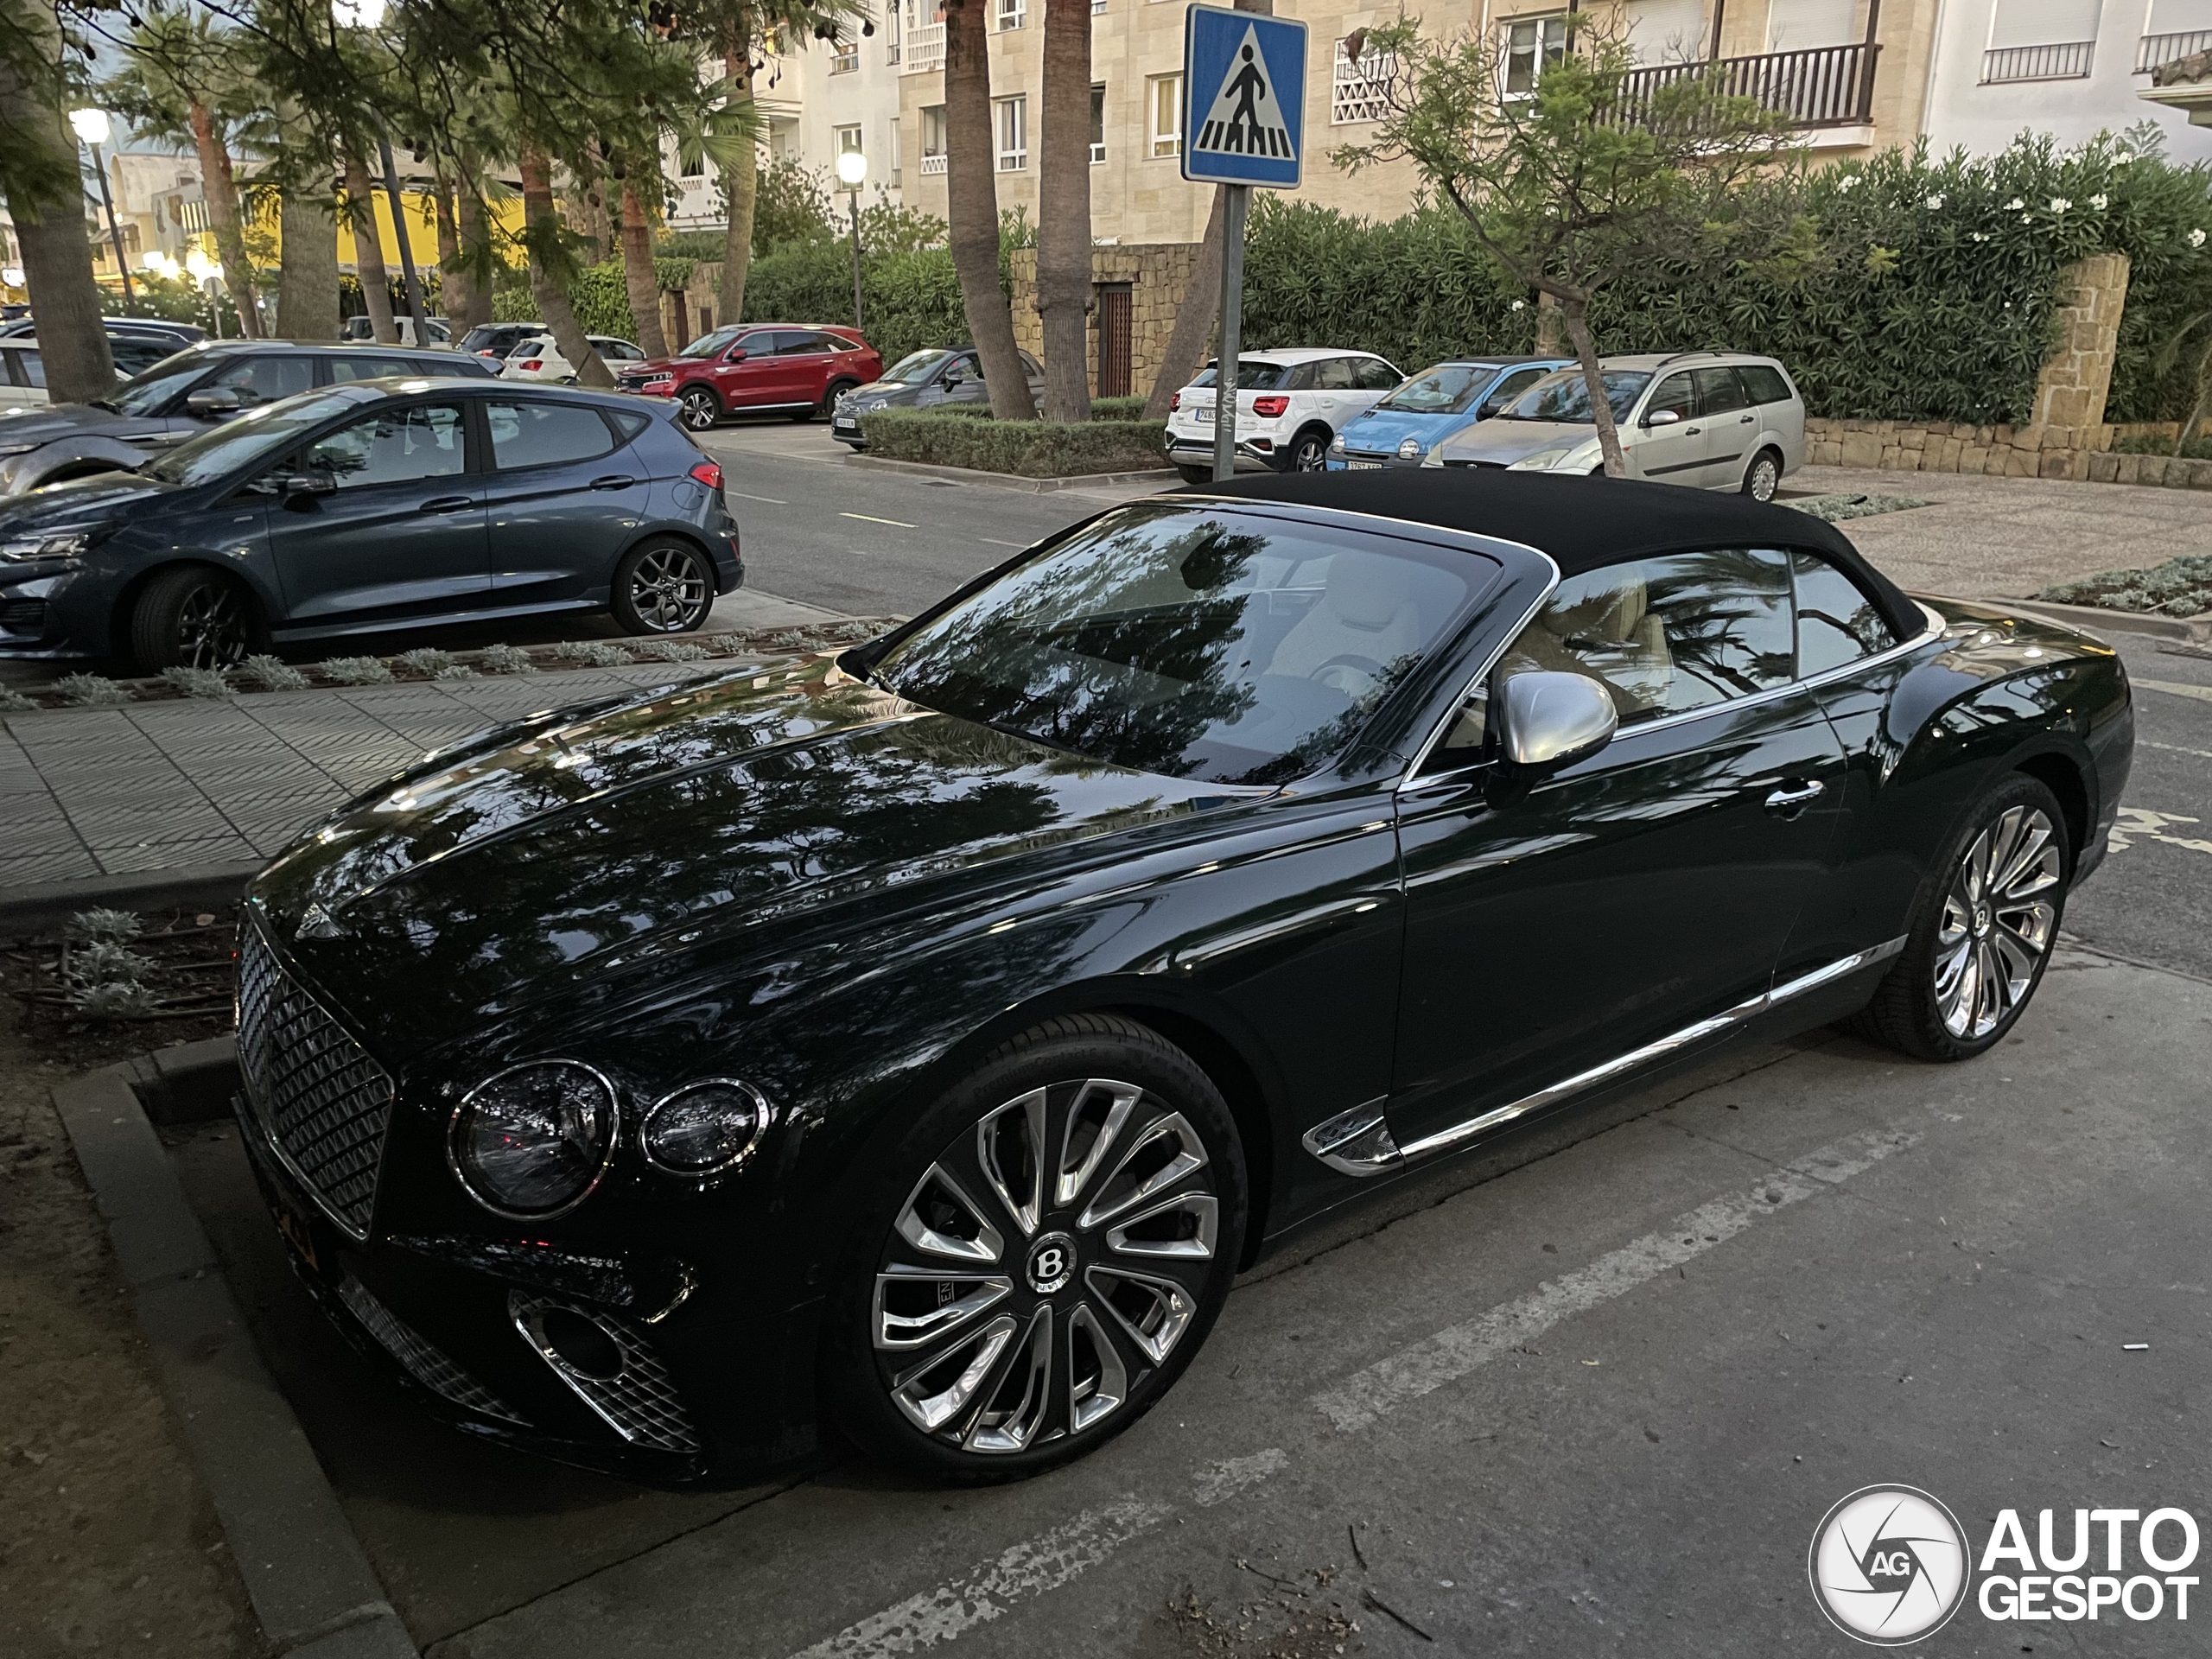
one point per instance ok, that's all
(2191, 339)
(972, 206)
(1063, 210)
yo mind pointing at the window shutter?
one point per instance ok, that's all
(2044, 22)
(1799, 25)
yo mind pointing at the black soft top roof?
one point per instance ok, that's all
(1584, 523)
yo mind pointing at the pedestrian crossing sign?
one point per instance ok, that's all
(1244, 98)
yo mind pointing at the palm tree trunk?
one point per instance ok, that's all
(1064, 290)
(475, 251)
(50, 230)
(306, 279)
(452, 281)
(1195, 317)
(741, 185)
(221, 190)
(368, 250)
(972, 206)
(637, 273)
(542, 229)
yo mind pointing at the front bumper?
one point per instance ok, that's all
(1361, 460)
(50, 617)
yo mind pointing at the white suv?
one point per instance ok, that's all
(1289, 406)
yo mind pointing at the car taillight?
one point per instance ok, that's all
(709, 472)
(535, 363)
(487, 353)
(1175, 402)
(1270, 407)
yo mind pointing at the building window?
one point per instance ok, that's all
(1098, 123)
(1360, 91)
(893, 157)
(892, 14)
(1012, 14)
(844, 139)
(1164, 99)
(845, 56)
(1013, 133)
(933, 139)
(2041, 40)
(1531, 45)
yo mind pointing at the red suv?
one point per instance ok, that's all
(803, 369)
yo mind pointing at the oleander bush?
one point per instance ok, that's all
(1029, 448)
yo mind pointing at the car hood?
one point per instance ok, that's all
(897, 392)
(1503, 442)
(46, 423)
(92, 499)
(1380, 431)
(719, 818)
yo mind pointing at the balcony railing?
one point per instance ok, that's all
(933, 165)
(2066, 60)
(1823, 86)
(2154, 49)
(925, 52)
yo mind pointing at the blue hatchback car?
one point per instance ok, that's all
(1429, 408)
(396, 502)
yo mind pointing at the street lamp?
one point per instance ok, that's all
(91, 126)
(852, 173)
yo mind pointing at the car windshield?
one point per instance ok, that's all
(486, 337)
(712, 345)
(258, 435)
(914, 369)
(147, 393)
(1447, 389)
(1251, 376)
(1564, 397)
(1197, 642)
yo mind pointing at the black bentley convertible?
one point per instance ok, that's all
(918, 1041)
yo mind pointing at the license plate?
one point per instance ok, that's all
(1204, 417)
(1363, 466)
(844, 424)
(299, 1228)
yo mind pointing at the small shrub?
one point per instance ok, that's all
(1117, 409)
(506, 659)
(2180, 587)
(91, 692)
(121, 1001)
(2199, 447)
(427, 662)
(356, 670)
(1836, 508)
(595, 653)
(13, 701)
(1028, 448)
(671, 650)
(108, 961)
(197, 681)
(113, 926)
(273, 673)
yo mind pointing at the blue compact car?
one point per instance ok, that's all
(1404, 427)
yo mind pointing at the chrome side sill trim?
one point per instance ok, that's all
(1359, 1142)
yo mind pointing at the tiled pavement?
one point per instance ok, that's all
(147, 787)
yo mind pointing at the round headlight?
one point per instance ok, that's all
(1336, 444)
(704, 1127)
(1409, 450)
(532, 1141)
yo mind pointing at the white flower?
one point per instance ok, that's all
(1520, 305)
(2059, 203)
(2099, 201)
(2027, 218)
(1981, 236)
(1848, 181)
(2014, 205)
(2197, 238)
(1935, 201)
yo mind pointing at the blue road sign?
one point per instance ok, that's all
(1243, 98)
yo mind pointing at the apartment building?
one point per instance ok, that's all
(2068, 67)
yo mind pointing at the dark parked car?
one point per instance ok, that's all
(924, 379)
(177, 334)
(182, 395)
(371, 505)
(493, 340)
(945, 1025)
(802, 370)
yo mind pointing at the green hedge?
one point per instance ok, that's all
(601, 294)
(1922, 287)
(1030, 448)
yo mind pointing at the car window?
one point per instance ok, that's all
(1333, 374)
(258, 435)
(1251, 376)
(1719, 392)
(1031, 366)
(1513, 385)
(1563, 397)
(366, 368)
(621, 350)
(262, 380)
(1372, 374)
(1667, 634)
(135, 356)
(400, 445)
(628, 422)
(1447, 389)
(712, 345)
(1764, 383)
(533, 433)
(966, 366)
(1836, 622)
(1196, 642)
(914, 369)
(30, 368)
(763, 342)
(433, 365)
(801, 342)
(1677, 392)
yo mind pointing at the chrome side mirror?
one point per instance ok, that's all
(215, 401)
(1551, 720)
(1662, 417)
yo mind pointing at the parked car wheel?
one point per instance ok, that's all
(828, 404)
(1307, 452)
(701, 408)
(1763, 476)
(663, 586)
(190, 617)
(1196, 474)
(1040, 1257)
(1983, 934)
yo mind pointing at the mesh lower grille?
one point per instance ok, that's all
(321, 1099)
(424, 1361)
(641, 1403)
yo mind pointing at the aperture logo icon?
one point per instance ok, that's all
(1889, 1564)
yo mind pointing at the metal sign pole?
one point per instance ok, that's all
(1232, 328)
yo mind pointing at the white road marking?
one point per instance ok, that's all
(1229, 1477)
(2140, 823)
(1454, 1353)
(992, 541)
(2173, 748)
(773, 500)
(2175, 688)
(873, 519)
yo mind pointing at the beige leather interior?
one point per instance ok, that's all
(1598, 625)
(1366, 610)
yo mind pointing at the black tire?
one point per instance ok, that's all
(1073, 1365)
(192, 617)
(1196, 474)
(664, 585)
(1308, 452)
(828, 406)
(1955, 934)
(1762, 476)
(700, 406)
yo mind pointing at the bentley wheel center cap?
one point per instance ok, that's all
(1052, 1263)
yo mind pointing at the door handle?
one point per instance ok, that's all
(613, 481)
(446, 503)
(1746, 420)
(1692, 431)
(1789, 801)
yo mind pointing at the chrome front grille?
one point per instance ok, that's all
(324, 1104)
(640, 1402)
(424, 1360)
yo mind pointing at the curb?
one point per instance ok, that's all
(2096, 618)
(187, 1083)
(34, 910)
(311, 1587)
(1011, 480)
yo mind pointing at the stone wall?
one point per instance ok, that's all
(1157, 272)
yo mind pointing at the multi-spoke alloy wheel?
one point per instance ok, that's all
(1050, 1268)
(1983, 937)
(664, 587)
(1997, 921)
(190, 617)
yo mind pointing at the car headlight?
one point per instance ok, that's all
(38, 549)
(1542, 462)
(704, 1127)
(1336, 444)
(532, 1141)
(1409, 450)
